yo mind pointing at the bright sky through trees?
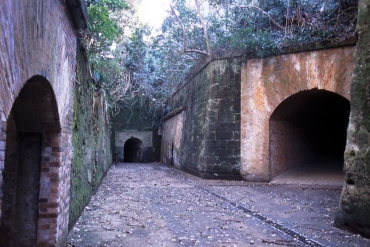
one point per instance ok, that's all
(153, 11)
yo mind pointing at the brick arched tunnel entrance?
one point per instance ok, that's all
(29, 182)
(308, 130)
(133, 150)
(295, 95)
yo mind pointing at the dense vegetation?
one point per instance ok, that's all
(145, 66)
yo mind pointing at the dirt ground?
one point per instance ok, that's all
(156, 205)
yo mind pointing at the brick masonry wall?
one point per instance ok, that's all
(39, 38)
(211, 128)
(267, 82)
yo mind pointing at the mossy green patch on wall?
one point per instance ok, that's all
(91, 141)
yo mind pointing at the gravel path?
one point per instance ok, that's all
(155, 205)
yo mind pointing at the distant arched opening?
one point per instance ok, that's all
(32, 130)
(133, 150)
(308, 129)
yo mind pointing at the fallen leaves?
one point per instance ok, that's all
(153, 205)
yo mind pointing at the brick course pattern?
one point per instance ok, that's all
(39, 38)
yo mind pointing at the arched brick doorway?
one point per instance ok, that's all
(308, 129)
(133, 150)
(29, 189)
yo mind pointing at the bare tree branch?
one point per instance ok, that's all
(261, 10)
(185, 50)
(181, 25)
(196, 51)
(204, 26)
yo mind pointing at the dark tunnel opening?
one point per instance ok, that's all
(308, 129)
(133, 150)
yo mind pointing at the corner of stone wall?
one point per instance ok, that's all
(211, 136)
(222, 141)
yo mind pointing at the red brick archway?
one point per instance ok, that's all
(32, 164)
(267, 82)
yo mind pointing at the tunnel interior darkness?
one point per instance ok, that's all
(308, 129)
(133, 150)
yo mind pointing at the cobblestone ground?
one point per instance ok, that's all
(154, 205)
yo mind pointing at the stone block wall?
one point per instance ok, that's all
(211, 124)
(38, 41)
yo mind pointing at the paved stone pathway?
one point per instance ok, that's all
(155, 205)
(322, 174)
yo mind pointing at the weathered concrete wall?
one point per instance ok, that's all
(211, 123)
(38, 54)
(267, 82)
(91, 157)
(353, 212)
(146, 137)
(172, 137)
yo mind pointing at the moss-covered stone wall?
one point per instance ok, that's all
(210, 145)
(91, 157)
(353, 213)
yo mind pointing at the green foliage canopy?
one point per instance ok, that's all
(147, 66)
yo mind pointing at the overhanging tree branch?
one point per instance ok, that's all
(197, 51)
(185, 50)
(259, 9)
(204, 26)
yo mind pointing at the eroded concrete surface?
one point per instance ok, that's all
(156, 205)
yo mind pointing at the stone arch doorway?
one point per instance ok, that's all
(133, 150)
(308, 130)
(30, 175)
